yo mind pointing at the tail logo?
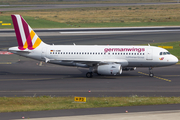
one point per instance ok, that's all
(26, 37)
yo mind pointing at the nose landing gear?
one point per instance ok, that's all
(151, 74)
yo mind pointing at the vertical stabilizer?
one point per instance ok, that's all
(26, 37)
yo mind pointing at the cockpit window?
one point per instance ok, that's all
(168, 53)
(164, 53)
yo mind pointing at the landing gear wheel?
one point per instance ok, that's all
(151, 74)
(98, 74)
(89, 75)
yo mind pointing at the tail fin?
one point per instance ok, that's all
(26, 37)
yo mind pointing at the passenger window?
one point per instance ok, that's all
(137, 53)
(134, 53)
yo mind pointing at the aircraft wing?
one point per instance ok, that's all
(90, 63)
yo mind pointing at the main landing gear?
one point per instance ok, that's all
(89, 74)
(151, 74)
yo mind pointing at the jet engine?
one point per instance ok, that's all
(109, 69)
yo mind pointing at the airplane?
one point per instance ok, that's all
(100, 59)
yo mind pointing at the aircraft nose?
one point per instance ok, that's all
(174, 59)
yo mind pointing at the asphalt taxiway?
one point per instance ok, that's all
(135, 38)
(153, 112)
(26, 77)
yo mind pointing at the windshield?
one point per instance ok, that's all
(164, 53)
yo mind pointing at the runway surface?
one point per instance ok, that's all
(38, 7)
(9, 39)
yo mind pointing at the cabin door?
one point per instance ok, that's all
(149, 54)
(43, 54)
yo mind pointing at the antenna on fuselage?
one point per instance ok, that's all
(74, 44)
(149, 44)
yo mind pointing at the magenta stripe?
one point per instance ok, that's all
(27, 33)
(17, 31)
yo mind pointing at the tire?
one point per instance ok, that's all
(151, 75)
(89, 75)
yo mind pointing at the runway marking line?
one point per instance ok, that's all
(156, 77)
(26, 79)
(5, 62)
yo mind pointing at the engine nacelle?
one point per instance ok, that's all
(109, 69)
(129, 68)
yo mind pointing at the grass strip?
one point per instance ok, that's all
(34, 23)
(17, 104)
(121, 16)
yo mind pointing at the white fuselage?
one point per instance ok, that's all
(76, 55)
